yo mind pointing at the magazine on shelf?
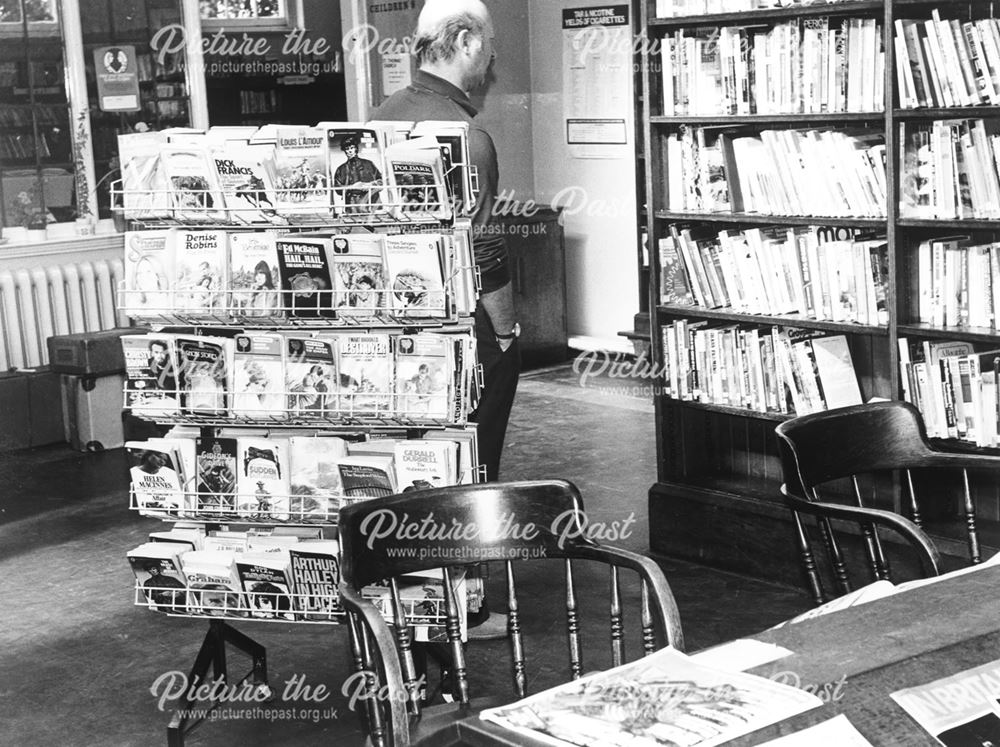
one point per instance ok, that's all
(358, 269)
(243, 172)
(259, 376)
(973, 718)
(150, 374)
(149, 272)
(311, 381)
(315, 479)
(305, 275)
(205, 367)
(262, 483)
(663, 698)
(157, 569)
(315, 573)
(365, 362)
(415, 276)
(301, 179)
(425, 372)
(215, 486)
(356, 169)
(213, 584)
(201, 271)
(266, 581)
(254, 278)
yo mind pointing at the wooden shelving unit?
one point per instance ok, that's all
(716, 498)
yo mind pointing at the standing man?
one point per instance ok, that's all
(453, 44)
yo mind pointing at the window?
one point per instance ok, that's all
(34, 11)
(258, 14)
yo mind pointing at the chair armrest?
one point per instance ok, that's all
(926, 551)
(662, 597)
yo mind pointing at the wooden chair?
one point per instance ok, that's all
(495, 521)
(852, 442)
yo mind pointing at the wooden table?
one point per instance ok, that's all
(858, 656)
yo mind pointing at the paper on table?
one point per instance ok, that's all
(837, 730)
(957, 710)
(662, 699)
(740, 655)
(989, 562)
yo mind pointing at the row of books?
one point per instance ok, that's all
(283, 577)
(288, 173)
(43, 114)
(782, 270)
(296, 581)
(274, 276)
(947, 62)
(293, 477)
(677, 8)
(954, 387)
(950, 169)
(807, 65)
(958, 282)
(765, 369)
(274, 377)
(778, 172)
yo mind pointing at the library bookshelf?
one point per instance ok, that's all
(721, 76)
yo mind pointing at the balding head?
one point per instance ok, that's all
(442, 25)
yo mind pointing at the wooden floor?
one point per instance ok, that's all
(80, 664)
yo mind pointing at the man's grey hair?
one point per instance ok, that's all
(437, 44)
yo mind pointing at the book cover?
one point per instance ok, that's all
(149, 272)
(145, 193)
(262, 483)
(156, 477)
(422, 464)
(415, 275)
(415, 174)
(305, 275)
(367, 475)
(215, 486)
(213, 585)
(243, 172)
(356, 167)
(454, 137)
(266, 581)
(157, 569)
(300, 172)
(254, 279)
(315, 573)
(424, 372)
(192, 186)
(150, 374)
(259, 376)
(365, 363)
(835, 369)
(311, 380)
(315, 479)
(358, 269)
(201, 263)
(204, 374)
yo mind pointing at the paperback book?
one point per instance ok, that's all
(311, 381)
(415, 275)
(259, 376)
(243, 172)
(213, 585)
(200, 264)
(358, 274)
(266, 581)
(254, 278)
(157, 477)
(215, 486)
(157, 569)
(356, 167)
(367, 475)
(424, 376)
(365, 373)
(149, 272)
(315, 479)
(150, 374)
(305, 276)
(301, 187)
(262, 483)
(192, 186)
(415, 174)
(315, 572)
(204, 376)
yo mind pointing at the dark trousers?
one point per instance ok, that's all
(501, 369)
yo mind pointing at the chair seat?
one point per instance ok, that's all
(438, 725)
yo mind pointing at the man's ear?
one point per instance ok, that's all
(466, 41)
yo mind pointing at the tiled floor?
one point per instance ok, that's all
(79, 662)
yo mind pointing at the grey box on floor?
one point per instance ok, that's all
(29, 415)
(92, 411)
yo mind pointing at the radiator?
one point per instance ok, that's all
(38, 302)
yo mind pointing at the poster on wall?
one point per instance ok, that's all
(597, 80)
(117, 78)
(395, 72)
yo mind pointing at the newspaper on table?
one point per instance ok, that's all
(837, 730)
(662, 699)
(958, 710)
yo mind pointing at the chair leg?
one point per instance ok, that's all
(808, 561)
(970, 521)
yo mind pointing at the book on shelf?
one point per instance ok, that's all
(315, 573)
(189, 538)
(205, 365)
(144, 183)
(262, 483)
(301, 174)
(422, 464)
(215, 484)
(192, 186)
(467, 454)
(254, 277)
(312, 382)
(367, 475)
(315, 478)
(424, 373)
(149, 272)
(259, 375)
(157, 477)
(213, 584)
(415, 174)
(415, 275)
(455, 137)
(422, 596)
(356, 167)
(366, 363)
(245, 177)
(157, 569)
(150, 374)
(359, 280)
(267, 583)
(306, 279)
(201, 271)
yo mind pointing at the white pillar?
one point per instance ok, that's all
(79, 109)
(357, 65)
(194, 64)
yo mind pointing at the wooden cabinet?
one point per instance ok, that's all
(538, 270)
